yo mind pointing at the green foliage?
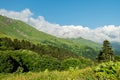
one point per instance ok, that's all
(20, 41)
(60, 53)
(7, 63)
(86, 42)
(71, 62)
(33, 57)
(76, 63)
(25, 60)
(110, 71)
(72, 74)
(6, 43)
(116, 47)
(50, 63)
(85, 62)
(18, 29)
(104, 71)
(107, 53)
(19, 70)
(117, 58)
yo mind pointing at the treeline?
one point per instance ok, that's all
(15, 44)
(85, 51)
(26, 60)
(23, 56)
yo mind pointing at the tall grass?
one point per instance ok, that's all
(71, 74)
(104, 71)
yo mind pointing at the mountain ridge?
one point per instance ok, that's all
(18, 29)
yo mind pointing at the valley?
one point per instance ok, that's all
(29, 54)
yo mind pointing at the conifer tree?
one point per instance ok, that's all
(106, 54)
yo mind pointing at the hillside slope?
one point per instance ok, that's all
(116, 47)
(85, 41)
(20, 30)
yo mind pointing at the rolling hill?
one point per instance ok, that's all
(85, 41)
(17, 29)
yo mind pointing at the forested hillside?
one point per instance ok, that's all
(116, 47)
(28, 54)
(23, 56)
(17, 29)
(15, 44)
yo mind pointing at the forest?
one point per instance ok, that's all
(29, 54)
(26, 56)
(22, 59)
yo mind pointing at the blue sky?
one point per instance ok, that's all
(90, 13)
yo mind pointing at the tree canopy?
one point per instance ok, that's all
(106, 54)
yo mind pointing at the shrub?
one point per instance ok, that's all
(50, 63)
(26, 58)
(84, 62)
(71, 62)
(110, 70)
(7, 63)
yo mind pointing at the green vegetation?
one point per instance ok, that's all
(109, 71)
(107, 53)
(21, 55)
(76, 63)
(117, 58)
(85, 41)
(71, 74)
(15, 44)
(25, 60)
(116, 47)
(28, 54)
(104, 71)
(15, 29)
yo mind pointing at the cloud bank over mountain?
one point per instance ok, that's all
(109, 32)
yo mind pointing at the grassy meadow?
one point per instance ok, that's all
(103, 71)
(71, 74)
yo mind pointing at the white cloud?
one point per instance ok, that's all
(99, 34)
(23, 15)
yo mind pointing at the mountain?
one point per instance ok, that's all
(21, 30)
(17, 29)
(85, 41)
(89, 49)
(116, 47)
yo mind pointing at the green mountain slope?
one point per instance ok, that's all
(85, 41)
(20, 30)
(116, 47)
(90, 48)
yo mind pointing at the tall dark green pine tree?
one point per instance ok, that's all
(106, 54)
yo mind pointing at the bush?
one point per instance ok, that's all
(31, 61)
(50, 63)
(7, 63)
(84, 62)
(110, 70)
(25, 60)
(71, 62)
(12, 61)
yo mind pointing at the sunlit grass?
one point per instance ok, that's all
(72, 74)
(99, 72)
